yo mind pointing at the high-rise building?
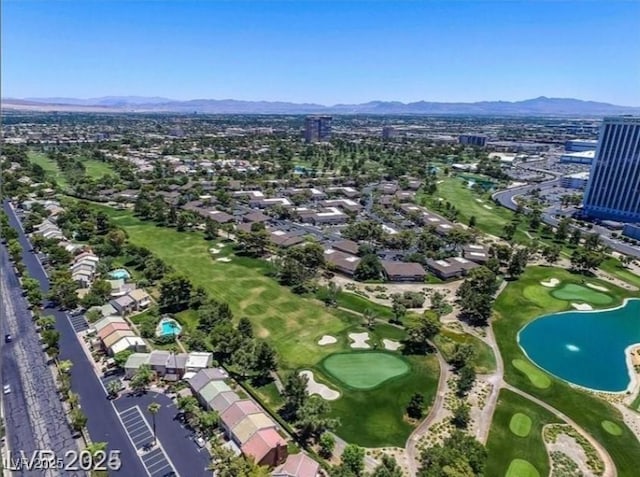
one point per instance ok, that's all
(472, 140)
(317, 128)
(388, 132)
(613, 191)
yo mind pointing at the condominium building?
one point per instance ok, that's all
(478, 140)
(613, 191)
(317, 128)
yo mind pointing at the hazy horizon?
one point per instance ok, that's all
(323, 52)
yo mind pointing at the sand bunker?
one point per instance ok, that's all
(392, 345)
(552, 282)
(480, 201)
(215, 251)
(327, 340)
(487, 206)
(597, 287)
(313, 387)
(582, 306)
(223, 259)
(360, 340)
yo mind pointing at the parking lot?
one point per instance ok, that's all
(155, 461)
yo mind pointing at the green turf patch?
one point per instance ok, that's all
(364, 370)
(573, 291)
(255, 309)
(537, 377)
(520, 424)
(521, 468)
(612, 428)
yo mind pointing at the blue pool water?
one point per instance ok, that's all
(585, 348)
(120, 273)
(168, 327)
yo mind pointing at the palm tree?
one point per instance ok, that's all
(153, 409)
(113, 387)
(369, 318)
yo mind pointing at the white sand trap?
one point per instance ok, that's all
(327, 340)
(392, 345)
(552, 282)
(223, 259)
(322, 390)
(597, 287)
(480, 201)
(582, 306)
(215, 251)
(487, 207)
(360, 340)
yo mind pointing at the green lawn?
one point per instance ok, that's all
(293, 325)
(521, 468)
(364, 369)
(615, 268)
(538, 377)
(96, 169)
(50, 167)
(490, 217)
(504, 444)
(525, 300)
(360, 304)
(484, 361)
(573, 291)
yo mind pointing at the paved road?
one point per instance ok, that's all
(103, 422)
(34, 414)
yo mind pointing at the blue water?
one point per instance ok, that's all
(169, 328)
(585, 348)
(119, 274)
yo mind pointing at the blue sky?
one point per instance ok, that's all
(321, 51)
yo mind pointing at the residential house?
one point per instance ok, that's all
(210, 391)
(133, 343)
(141, 299)
(201, 378)
(297, 465)
(403, 271)
(198, 360)
(266, 447)
(123, 305)
(342, 262)
(248, 426)
(134, 361)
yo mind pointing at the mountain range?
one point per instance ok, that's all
(541, 106)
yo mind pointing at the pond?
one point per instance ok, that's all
(586, 348)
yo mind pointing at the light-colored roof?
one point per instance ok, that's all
(116, 336)
(223, 400)
(138, 294)
(135, 360)
(199, 359)
(250, 425)
(111, 328)
(128, 343)
(98, 325)
(238, 411)
(212, 389)
(297, 465)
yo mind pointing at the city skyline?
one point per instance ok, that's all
(326, 53)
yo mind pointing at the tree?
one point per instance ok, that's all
(461, 415)
(562, 231)
(266, 359)
(438, 303)
(295, 394)
(459, 455)
(415, 406)
(518, 262)
(369, 318)
(583, 260)
(399, 311)
(313, 418)
(98, 295)
(463, 354)
(509, 231)
(63, 289)
(210, 229)
(420, 332)
(255, 242)
(551, 253)
(113, 388)
(50, 338)
(476, 295)
(121, 357)
(78, 419)
(353, 459)
(327, 443)
(466, 379)
(388, 468)
(153, 409)
(245, 327)
(369, 268)
(592, 242)
(142, 378)
(175, 293)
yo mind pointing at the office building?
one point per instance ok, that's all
(317, 129)
(580, 145)
(388, 132)
(578, 180)
(613, 191)
(478, 140)
(584, 157)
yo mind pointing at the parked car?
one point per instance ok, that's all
(8, 338)
(200, 442)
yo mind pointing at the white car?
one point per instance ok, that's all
(200, 441)
(6, 389)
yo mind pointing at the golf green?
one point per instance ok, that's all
(521, 468)
(537, 377)
(572, 291)
(364, 369)
(520, 424)
(612, 428)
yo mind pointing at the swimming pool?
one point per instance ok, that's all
(167, 327)
(586, 348)
(119, 274)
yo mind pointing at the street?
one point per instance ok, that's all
(103, 422)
